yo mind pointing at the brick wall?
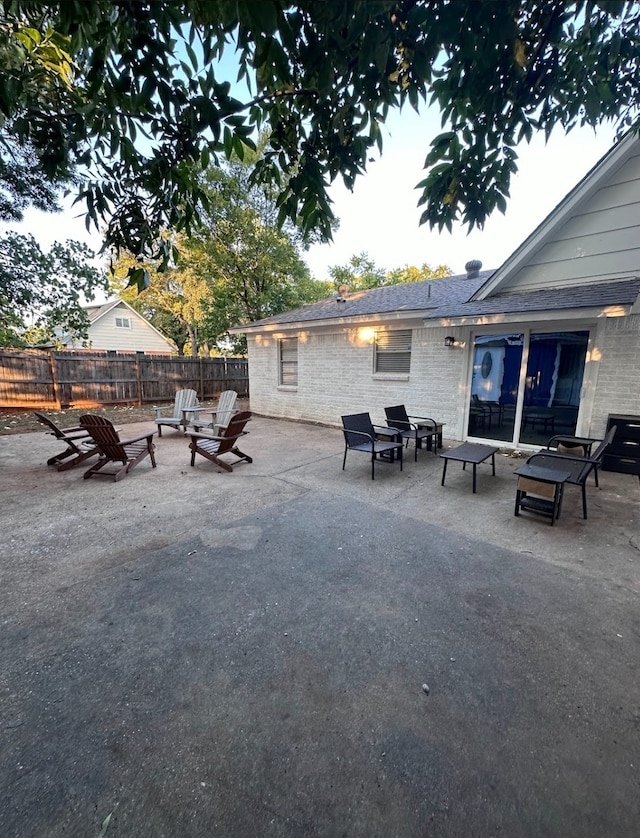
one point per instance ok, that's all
(618, 383)
(335, 376)
(335, 373)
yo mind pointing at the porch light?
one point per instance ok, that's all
(449, 341)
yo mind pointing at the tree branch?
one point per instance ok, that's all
(280, 94)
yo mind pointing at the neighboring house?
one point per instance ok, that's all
(549, 342)
(116, 326)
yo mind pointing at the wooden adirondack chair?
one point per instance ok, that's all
(80, 445)
(221, 416)
(125, 454)
(186, 400)
(213, 446)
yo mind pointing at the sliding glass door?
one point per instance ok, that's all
(553, 383)
(497, 361)
(526, 388)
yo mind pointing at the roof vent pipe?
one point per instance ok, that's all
(473, 268)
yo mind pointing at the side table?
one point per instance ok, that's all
(389, 435)
(540, 490)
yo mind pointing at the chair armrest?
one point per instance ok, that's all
(137, 438)
(215, 438)
(199, 435)
(426, 419)
(367, 436)
(79, 435)
(385, 430)
(562, 457)
(408, 425)
(231, 411)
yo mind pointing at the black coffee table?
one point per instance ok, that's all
(470, 452)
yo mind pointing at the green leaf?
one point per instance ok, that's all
(192, 57)
(138, 278)
(262, 16)
(105, 825)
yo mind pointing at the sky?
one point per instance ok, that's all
(380, 216)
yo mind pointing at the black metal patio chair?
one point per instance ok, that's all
(360, 435)
(579, 467)
(417, 428)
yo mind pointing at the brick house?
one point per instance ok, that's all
(548, 343)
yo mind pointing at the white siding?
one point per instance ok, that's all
(600, 240)
(141, 337)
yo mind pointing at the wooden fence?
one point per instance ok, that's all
(34, 379)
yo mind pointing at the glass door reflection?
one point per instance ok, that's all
(494, 386)
(553, 384)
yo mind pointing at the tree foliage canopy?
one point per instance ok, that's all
(237, 266)
(42, 291)
(361, 273)
(135, 92)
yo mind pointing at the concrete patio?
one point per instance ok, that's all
(293, 649)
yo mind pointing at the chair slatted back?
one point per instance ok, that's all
(59, 433)
(183, 400)
(53, 428)
(105, 436)
(234, 429)
(224, 411)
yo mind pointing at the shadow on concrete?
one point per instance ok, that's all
(293, 649)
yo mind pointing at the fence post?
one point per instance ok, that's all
(201, 372)
(54, 379)
(139, 378)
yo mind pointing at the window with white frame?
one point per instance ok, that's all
(123, 322)
(288, 362)
(393, 352)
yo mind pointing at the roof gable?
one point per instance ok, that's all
(590, 237)
(109, 306)
(96, 313)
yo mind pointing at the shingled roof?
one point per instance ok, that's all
(450, 298)
(416, 297)
(599, 295)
